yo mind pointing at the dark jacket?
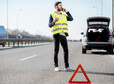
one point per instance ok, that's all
(51, 23)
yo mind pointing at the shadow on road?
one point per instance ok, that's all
(90, 72)
(66, 71)
(98, 73)
(101, 53)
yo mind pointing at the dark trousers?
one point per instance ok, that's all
(57, 40)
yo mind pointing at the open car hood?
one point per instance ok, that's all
(98, 22)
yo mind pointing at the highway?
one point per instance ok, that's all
(34, 65)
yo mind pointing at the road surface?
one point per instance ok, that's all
(34, 65)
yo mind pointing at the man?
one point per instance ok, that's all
(59, 27)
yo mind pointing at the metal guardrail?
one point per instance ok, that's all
(28, 41)
(23, 41)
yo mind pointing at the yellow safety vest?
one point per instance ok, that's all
(60, 25)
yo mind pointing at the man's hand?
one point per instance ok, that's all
(64, 10)
(55, 19)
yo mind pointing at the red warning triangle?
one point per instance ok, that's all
(75, 82)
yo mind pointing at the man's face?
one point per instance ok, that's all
(59, 7)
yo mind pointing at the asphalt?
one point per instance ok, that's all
(34, 65)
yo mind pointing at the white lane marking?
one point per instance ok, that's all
(112, 56)
(27, 58)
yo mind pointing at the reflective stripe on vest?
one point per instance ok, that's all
(59, 29)
(60, 25)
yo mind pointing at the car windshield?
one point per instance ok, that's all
(94, 23)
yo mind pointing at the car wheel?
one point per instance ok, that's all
(110, 50)
(83, 50)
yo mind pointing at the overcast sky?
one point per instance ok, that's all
(34, 16)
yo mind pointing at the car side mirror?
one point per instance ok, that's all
(82, 33)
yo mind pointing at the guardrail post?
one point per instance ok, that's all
(28, 42)
(13, 43)
(18, 42)
(25, 42)
(22, 43)
(8, 44)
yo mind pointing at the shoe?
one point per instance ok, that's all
(57, 69)
(69, 69)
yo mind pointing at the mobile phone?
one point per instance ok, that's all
(62, 9)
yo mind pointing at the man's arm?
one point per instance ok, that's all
(69, 16)
(51, 23)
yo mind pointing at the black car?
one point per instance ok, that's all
(98, 35)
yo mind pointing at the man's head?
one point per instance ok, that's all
(58, 6)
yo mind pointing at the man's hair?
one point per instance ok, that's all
(56, 3)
